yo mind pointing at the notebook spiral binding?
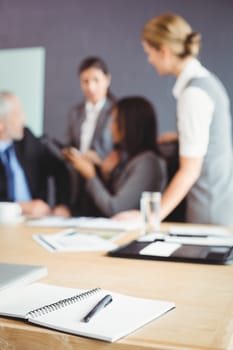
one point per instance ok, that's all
(61, 303)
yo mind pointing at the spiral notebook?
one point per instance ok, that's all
(64, 309)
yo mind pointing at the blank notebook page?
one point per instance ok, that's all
(124, 315)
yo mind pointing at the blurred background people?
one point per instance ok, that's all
(26, 164)
(205, 171)
(133, 166)
(88, 122)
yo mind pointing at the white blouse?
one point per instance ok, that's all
(89, 124)
(194, 111)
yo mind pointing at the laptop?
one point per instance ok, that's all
(12, 275)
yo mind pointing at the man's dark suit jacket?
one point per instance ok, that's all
(39, 164)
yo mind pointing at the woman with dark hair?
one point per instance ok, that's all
(88, 122)
(132, 167)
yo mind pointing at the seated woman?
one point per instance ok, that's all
(132, 167)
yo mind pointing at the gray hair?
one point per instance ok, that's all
(5, 106)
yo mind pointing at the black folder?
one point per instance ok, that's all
(204, 254)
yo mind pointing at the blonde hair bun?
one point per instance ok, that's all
(173, 31)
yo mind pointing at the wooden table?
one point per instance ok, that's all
(203, 318)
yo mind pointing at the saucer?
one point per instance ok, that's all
(17, 220)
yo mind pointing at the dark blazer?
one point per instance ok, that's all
(39, 164)
(102, 139)
(144, 172)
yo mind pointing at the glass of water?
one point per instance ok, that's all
(150, 211)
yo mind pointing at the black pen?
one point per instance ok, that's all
(99, 306)
(188, 235)
(50, 245)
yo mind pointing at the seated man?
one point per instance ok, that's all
(26, 164)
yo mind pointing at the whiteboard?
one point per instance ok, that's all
(22, 71)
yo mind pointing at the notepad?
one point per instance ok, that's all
(18, 274)
(63, 309)
(70, 240)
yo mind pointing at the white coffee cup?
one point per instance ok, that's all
(9, 212)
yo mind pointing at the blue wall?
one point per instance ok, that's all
(71, 29)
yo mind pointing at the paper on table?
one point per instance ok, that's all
(198, 230)
(208, 241)
(84, 222)
(195, 239)
(69, 240)
(150, 237)
(18, 301)
(160, 249)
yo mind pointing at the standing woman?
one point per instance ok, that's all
(205, 172)
(88, 122)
